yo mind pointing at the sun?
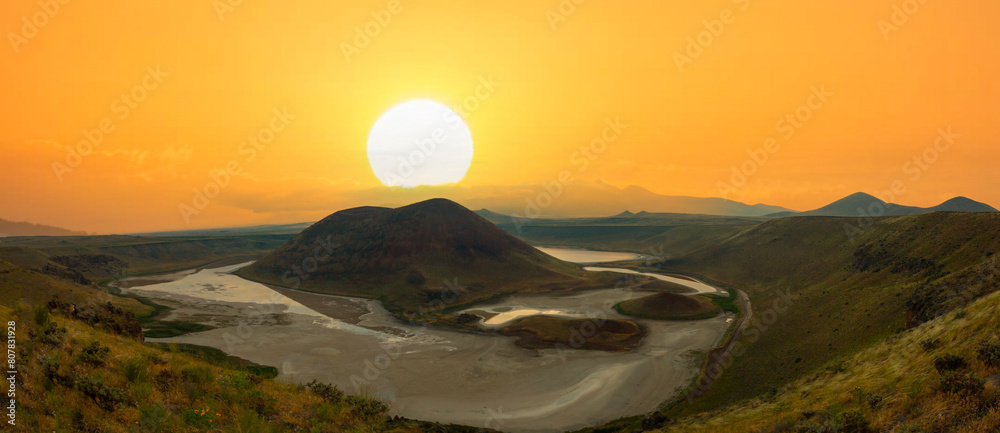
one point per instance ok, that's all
(420, 142)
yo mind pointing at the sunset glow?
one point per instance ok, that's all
(142, 116)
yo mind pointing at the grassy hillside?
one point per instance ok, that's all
(18, 284)
(927, 379)
(820, 296)
(149, 254)
(76, 378)
(648, 233)
(82, 367)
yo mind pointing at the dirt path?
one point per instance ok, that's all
(717, 357)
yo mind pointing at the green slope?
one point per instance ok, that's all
(902, 384)
(819, 295)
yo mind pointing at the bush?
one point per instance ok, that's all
(166, 379)
(50, 366)
(366, 406)
(261, 403)
(989, 354)
(853, 421)
(329, 393)
(154, 358)
(327, 412)
(949, 362)
(770, 393)
(94, 354)
(930, 344)
(136, 370)
(810, 426)
(42, 317)
(107, 397)
(261, 372)
(197, 374)
(955, 382)
(238, 381)
(872, 399)
(52, 334)
(152, 418)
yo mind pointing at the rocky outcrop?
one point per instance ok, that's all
(105, 316)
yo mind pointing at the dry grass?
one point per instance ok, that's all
(163, 390)
(893, 385)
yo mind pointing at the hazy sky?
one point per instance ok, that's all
(180, 85)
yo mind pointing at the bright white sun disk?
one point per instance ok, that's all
(420, 142)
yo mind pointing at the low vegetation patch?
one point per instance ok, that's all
(542, 332)
(669, 306)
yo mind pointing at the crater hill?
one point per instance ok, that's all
(416, 259)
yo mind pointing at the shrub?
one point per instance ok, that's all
(810, 426)
(261, 403)
(930, 344)
(151, 418)
(107, 397)
(136, 370)
(770, 393)
(238, 381)
(52, 334)
(989, 354)
(853, 421)
(329, 393)
(955, 382)
(94, 354)
(872, 399)
(327, 412)
(50, 366)
(154, 358)
(366, 406)
(42, 316)
(259, 372)
(837, 367)
(166, 379)
(197, 374)
(949, 362)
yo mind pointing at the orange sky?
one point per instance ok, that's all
(224, 77)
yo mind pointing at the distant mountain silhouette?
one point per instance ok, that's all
(12, 228)
(552, 199)
(962, 204)
(406, 256)
(859, 203)
(600, 199)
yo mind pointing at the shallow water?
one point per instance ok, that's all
(435, 374)
(686, 281)
(577, 255)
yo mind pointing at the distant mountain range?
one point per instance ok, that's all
(861, 204)
(582, 199)
(12, 228)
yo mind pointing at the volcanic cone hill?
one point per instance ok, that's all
(413, 258)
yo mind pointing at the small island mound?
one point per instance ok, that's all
(669, 306)
(546, 332)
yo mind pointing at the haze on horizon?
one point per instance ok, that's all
(536, 85)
